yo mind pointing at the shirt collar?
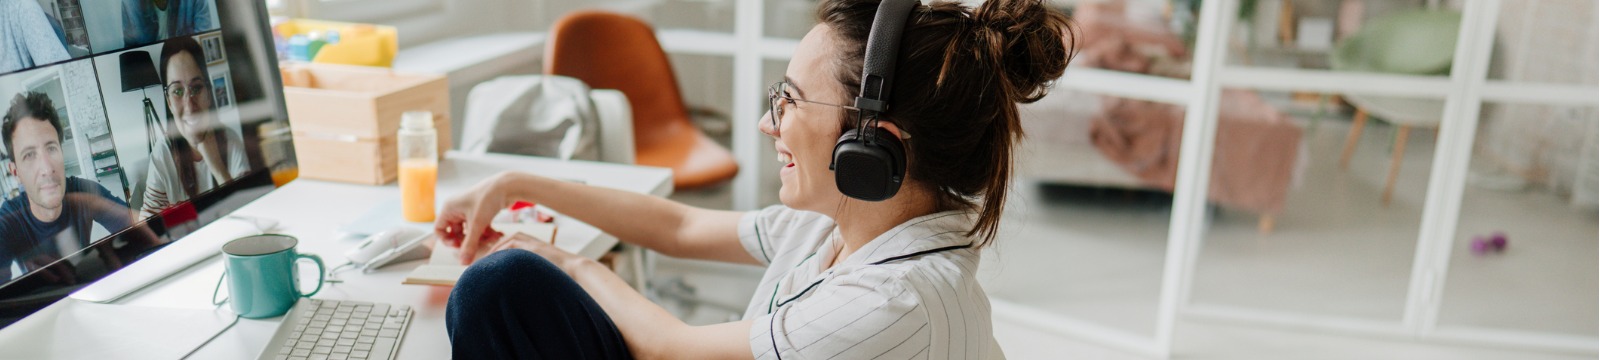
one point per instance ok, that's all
(923, 233)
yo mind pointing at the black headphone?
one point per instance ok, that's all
(869, 162)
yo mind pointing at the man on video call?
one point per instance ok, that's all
(51, 218)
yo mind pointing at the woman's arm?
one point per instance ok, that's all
(658, 224)
(649, 330)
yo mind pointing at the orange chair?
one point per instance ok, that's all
(614, 51)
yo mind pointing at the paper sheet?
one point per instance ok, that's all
(74, 329)
(444, 266)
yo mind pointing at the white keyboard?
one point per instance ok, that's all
(339, 330)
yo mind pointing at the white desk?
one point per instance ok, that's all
(313, 210)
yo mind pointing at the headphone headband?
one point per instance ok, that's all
(883, 47)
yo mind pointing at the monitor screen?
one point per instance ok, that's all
(127, 124)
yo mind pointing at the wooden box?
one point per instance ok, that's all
(345, 119)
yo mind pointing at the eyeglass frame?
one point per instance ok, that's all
(776, 109)
(188, 89)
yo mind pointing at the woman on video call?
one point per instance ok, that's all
(199, 152)
(845, 278)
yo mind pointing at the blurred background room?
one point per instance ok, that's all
(1211, 179)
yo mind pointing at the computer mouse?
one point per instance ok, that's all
(390, 246)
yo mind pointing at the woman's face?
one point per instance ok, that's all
(805, 136)
(189, 96)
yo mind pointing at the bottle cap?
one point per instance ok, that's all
(417, 120)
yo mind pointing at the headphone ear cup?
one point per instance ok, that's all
(869, 167)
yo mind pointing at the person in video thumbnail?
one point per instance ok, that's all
(141, 25)
(27, 38)
(52, 216)
(199, 153)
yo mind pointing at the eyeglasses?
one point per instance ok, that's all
(780, 90)
(179, 91)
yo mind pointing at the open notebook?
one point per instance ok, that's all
(444, 266)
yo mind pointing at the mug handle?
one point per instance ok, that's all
(218, 289)
(322, 273)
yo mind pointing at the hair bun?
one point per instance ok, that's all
(1029, 40)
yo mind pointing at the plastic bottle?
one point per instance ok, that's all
(298, 48)
(419, 165)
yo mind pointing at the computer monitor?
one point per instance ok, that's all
(128, 125)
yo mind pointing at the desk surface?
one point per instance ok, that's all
(314, 210)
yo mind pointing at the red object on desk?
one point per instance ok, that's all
(539, 216)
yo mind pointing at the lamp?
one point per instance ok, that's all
(138, 74)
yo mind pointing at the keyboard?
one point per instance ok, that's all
(339, 330)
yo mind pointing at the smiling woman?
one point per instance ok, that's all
(199, 153)
(885, 272)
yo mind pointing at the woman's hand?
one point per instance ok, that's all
(195, 132)
(464, 221)
(566, 260)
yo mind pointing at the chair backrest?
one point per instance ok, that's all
(614, 51)
(1421, 42)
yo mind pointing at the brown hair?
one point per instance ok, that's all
(33, 105)
(959, 76)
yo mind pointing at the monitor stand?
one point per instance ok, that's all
(71, 329)
(192, 249)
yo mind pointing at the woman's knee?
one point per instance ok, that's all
(503, 274)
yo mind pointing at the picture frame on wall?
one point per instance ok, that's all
(219, 87)
(211, 44)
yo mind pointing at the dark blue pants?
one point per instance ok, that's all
(514, 304)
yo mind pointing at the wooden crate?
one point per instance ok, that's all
(345, 119)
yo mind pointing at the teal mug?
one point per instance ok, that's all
(264, 277)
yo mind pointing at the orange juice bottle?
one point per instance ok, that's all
(419, 165)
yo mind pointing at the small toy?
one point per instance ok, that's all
(1494, 243)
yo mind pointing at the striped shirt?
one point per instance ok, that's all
(910, 293)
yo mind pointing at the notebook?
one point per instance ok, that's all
(444, 265)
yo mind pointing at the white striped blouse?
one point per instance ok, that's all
(910, 293)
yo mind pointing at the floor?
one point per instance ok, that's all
(1096, 255)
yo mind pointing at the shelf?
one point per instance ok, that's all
(474, 57)
(1125, 84)
(1327, 81)
(1175, 91)
(702, 42)
(1553, 94)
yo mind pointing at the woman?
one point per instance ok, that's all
(199, 153)
(845, 278)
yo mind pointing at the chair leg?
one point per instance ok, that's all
(1394, 162)
(1265, 224)
(1351, 138)
(1286, 24)
(1322, 110)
